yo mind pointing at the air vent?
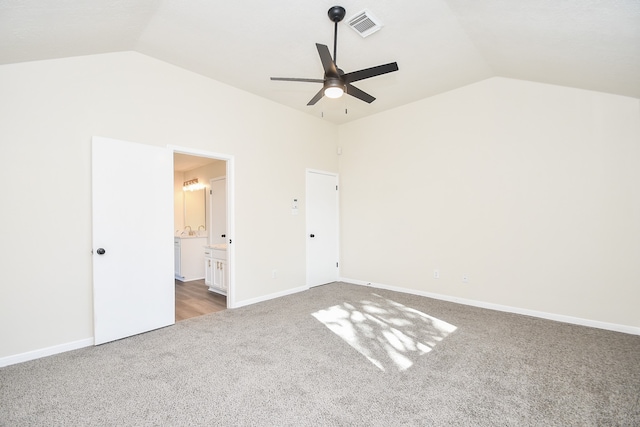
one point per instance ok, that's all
(364, 23)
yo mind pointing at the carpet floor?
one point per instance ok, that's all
(338, 355)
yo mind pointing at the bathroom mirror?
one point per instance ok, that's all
(194, 209)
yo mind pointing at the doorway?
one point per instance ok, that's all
(132, 241)
(195, 225)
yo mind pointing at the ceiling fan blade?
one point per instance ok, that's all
(360, 94)
(370, 72)
(317, 97)
(294, 79)
(327, 63)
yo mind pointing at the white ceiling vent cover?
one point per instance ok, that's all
(364, 23)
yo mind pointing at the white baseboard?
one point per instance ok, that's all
(87, 342)
(36, 354)
(239, 304)
(43, 352)
(508, 309)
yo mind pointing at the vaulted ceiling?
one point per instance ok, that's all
(439, 45)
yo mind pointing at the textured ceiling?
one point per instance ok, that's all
(439, 45)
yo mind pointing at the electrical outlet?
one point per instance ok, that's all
(274, 273)
(436, 274)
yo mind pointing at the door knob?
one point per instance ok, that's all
(101, 251)
(312, 235)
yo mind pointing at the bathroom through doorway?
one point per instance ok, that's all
(201, 238)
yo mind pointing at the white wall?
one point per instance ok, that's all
(531, 190)
(49, 111)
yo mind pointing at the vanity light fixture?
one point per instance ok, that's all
(192, 185)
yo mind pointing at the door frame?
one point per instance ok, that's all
(307, 231)
(229, 159)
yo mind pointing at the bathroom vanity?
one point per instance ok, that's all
(188, 258)
(215, 266)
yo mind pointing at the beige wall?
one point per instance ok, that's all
(49, 111)
(531, 190)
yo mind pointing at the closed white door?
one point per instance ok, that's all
(133, 278)
(322, 227)
(218, 221)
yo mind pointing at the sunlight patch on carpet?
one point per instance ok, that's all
(389, 334)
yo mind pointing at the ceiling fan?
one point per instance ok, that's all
(335, 81)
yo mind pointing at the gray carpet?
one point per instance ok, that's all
(338, 355)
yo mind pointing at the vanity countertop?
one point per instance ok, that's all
(219, 246)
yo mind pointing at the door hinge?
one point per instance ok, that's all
(336, 265)
(336, 188)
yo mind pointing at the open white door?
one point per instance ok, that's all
(322, 228)
(133, 278)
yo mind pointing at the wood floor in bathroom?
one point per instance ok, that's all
(194, 299)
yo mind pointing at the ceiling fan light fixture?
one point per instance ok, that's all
(333, 92)
(334, 88)
(336, 82)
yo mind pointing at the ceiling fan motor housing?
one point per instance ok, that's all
(336, 13)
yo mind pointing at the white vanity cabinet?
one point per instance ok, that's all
(188, 258)
(219, 275)
(208, 271)
(216, 271)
